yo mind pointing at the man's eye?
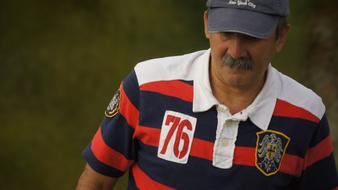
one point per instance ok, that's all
(250, 38)
(226, 35)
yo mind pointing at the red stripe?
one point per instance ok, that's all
(319, 152)
(292, 165)
(107, 155)
(245, 156)
(147, 135)
(128, 110)
(286, 109)
(151, 136)
(144, 182)
(173, 88)
(202, 149)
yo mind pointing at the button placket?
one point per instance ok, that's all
(225, 139)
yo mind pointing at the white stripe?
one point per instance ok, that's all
(298, 95)
(168, 68)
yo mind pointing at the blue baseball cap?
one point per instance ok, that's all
(256, 18)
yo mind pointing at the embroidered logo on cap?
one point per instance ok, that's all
(242, 3)
(270, 149)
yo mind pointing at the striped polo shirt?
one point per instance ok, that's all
(167, 129)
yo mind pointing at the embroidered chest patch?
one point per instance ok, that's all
(270, 149)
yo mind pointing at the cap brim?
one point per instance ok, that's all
(243, 21)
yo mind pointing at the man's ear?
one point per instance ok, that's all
(206, 31)
(283, 34)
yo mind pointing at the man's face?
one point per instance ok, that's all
(241, 61)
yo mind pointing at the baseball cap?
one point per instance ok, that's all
(256, 18)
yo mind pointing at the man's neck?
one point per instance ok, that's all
(236, 98)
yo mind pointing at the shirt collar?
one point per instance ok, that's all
(259, 111)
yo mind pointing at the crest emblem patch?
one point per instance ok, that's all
(114, 105)
(270, 149)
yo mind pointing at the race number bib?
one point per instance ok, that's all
(176, 138)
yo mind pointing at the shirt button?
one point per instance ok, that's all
(224, 142)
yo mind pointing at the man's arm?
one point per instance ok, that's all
(92, 180)
(319, 163)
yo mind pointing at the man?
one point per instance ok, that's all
(223, 118)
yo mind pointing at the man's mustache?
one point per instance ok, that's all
(239, 63)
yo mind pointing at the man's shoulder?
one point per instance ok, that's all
(178, 67)
(301, 96)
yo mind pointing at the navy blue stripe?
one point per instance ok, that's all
(117, 134)
(322, 171)
(98, 166)
(299, 131)
(190, 82)
(154, 106)
(152, 116)
(206, 126)
(322, 131)
(131, 88)
(247, 134)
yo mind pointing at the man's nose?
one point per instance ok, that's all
(236, 47)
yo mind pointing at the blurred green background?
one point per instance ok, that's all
(61, 61)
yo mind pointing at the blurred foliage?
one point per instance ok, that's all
(61, 61)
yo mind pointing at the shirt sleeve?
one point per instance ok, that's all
(319, 168)
(112, 149)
